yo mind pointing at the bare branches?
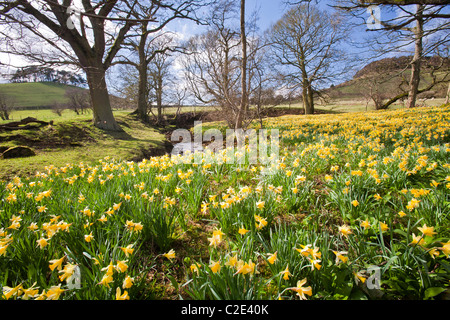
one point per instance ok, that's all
(305, 41)
(216, 71)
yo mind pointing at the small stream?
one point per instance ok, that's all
(181, 148)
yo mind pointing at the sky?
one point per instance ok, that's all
(269, 12)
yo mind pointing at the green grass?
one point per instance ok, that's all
(40, 94)
(354, 89)
(359, 105)
(48, 115)
(77, 140)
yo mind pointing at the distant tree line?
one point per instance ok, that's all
(46, 74)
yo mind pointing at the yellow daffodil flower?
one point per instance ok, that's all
(216, 238)
(286, 273)
(445, 248)
(417, 240)
(88, 237)
(56, 263)
(245, 268)
(340, 256)
(301, 291)
(121, 266)
(106, 280)
(272, 257)
(260, 204)
(42, 243)
(67, 272)
(120, 296)
(127, 250)
(243, 231)
(54, 292)
(383, 226)
(365, 224)
(427, 231)
(170, 255)
(9, 292)
(215, 266)
(345, 230)
(127, 282)
(232, 261)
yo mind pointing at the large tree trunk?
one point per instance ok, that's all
(447, 99)
(103, 115)
(143, 76)
(142, 103)
(305, 100)
(415, 64)
(243, 106)
(310, 98)
(308, 102)
(159, 91)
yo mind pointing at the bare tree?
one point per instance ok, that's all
(305, 47)
(447, 97)
(147, 40)
(219, 71)
(79, 100)
(178, 96)
(424, 26)
(159, 76)
(144, 93)
(90, 42)
(244, 94)
(58, 107)
(211, 65)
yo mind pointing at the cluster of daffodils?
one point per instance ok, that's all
(346, 192)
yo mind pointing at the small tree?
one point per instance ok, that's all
(79, 100)
(220, 72)
(305, 48)
(58, 108)
(6, 106)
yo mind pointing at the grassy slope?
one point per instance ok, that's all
(352, 90)
(77, 140)
(35, 94)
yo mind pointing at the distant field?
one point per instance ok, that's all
(39, 94)
(334, 106)
(355, 105)
(48, 115)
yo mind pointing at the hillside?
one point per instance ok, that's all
(398, 64)
(35, 94)
(387, 76)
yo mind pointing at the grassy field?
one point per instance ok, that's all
(74, 139)
(40, 94)
(48, 115)
(354, 105)
(351, 198)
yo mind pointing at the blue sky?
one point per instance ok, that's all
(269, 12)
